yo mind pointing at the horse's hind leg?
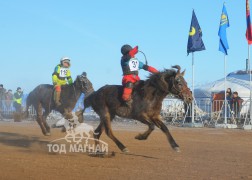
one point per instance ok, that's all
(106, 119)
(40, 118)
(46, 124)
(151, 126)
(163, 127)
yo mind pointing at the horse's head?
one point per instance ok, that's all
(172, 81)
(84, 84)
(179, 86)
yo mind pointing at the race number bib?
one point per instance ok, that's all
(133, 64)
(63, 72)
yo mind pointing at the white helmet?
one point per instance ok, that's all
(65, 59)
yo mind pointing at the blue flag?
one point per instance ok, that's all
(195, 42)
(224, 24)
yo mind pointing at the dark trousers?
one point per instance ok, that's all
(17, 106)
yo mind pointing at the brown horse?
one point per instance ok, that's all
(42, 99)
(146, 106)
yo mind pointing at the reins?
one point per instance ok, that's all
(75, 93)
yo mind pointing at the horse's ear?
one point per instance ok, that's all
(84, 74)
(183, 73)
(178, 68)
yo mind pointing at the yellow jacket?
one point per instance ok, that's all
(18, 97)
(61, 76)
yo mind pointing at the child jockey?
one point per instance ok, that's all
(61, 76)
(130, 66)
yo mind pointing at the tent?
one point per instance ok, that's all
(237, 81)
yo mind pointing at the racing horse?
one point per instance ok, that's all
(42, 99)
(146, 106)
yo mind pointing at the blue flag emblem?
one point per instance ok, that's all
(195, 42)
(224, 24)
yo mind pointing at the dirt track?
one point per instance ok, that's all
(205, 154)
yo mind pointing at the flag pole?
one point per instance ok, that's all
(250, 96)
(192, 87)
(225, 79)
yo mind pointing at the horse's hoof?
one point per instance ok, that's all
(125, 150)
(48, 134)
(140, 137)
(176, 149)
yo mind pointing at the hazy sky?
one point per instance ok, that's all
(36, 34)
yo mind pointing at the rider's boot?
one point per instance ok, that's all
(57, 98)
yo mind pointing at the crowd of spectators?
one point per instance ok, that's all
(10, 101)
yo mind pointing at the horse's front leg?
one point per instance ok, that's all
(80, 116)
(157, 121)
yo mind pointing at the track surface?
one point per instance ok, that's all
(205, 154)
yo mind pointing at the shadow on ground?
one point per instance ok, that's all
(18, 140)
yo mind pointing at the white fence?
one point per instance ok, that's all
(175, 111)
(206, 110)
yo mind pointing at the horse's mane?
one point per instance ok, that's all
(165, 72)
(158, 80)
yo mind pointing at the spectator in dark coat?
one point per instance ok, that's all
(236, 104)
(2, 96)
(9, 99)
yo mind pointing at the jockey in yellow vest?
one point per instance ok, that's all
(61, 76)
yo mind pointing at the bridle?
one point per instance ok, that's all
(84, 84)
(179, 91)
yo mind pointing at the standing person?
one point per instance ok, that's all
(130, 66)
(18, 99)
(61, 76)
(2, 96)
(9, 99)
(188, 112)
(229, 90)
(229, 97)
(236, 104)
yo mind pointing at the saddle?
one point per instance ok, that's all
(125, 109)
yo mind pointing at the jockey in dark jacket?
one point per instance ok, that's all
(130, 66)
